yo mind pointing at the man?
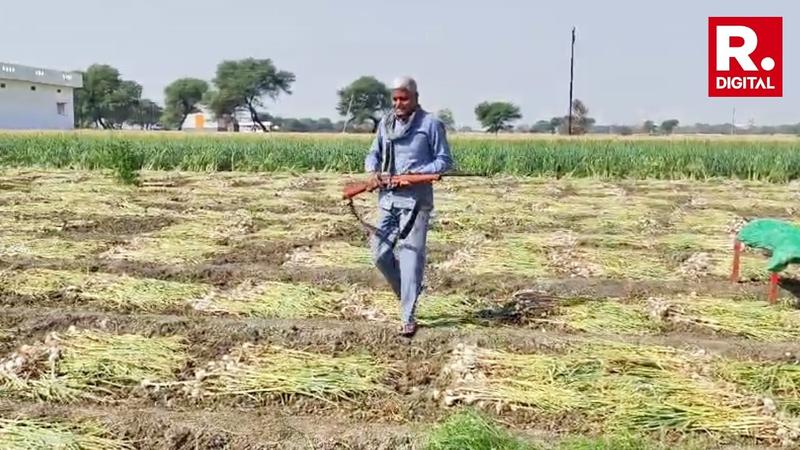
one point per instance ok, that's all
(409, 140)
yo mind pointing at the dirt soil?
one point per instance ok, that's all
(211, 336)
(165, 420)
(224, 428)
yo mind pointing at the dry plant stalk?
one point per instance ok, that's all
(260, 372)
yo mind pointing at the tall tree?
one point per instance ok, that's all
(580, 112)
(495, 116)
(223, 106)
(581, 122)
(668, 126)
(649, 127)
(543, 126)
(245, 83)
(555, 124)
(446, 116)
(123, 103)
(146, 114)
(181, 98)
(364, 99)
(103, 95)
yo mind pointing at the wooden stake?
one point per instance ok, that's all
(773, 288)
(737, 253)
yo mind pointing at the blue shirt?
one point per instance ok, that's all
(423, 150)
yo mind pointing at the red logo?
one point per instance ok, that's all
(745, 57)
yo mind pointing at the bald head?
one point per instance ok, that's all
(405, 96)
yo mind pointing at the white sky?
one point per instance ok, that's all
(635, 60)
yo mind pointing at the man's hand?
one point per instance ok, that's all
(374, 181)
(394, 182)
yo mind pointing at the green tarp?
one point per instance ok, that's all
(780, 238)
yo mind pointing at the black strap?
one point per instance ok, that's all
(387, 157)
(410, 224)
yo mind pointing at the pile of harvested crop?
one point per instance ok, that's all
(529, 307)
(753, 319)
(334, 229)
(270, 300)
(234, 226)
(620, 387)
(696, 266)
(23, 434)
(553, 190)
(366, 304)
(602, 317)
(564, 256)
(649, 225)
(264, 371)
(461, 371)
(90, 364)
(338, 254)
(698, 201)
(524, 307)
(465, 255)
(735, 225)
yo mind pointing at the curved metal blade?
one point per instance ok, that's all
(369, 228)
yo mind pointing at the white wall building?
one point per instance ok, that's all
(37, 99)
(204, 121)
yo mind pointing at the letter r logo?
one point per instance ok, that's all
(742, 54)
(745, 56)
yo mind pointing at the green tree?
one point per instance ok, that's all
(543, 126)
(223, 107)
(146, 114)
(105, 99)
(625, 130)
(649, 127)
(244, 84)
(555, 123)
(581, 122)
(495, 116)
(668, 126)
(325, 124)
(99, 81)
(446, 116)
(181, 98)
(124, 102)
(364, 99)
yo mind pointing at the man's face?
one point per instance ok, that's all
(404, 103)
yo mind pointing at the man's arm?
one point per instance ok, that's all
(442, 159)
(372, 163)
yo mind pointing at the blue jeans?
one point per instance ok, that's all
(402, 260)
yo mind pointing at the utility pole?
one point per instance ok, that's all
(733, 121)
(571, 76)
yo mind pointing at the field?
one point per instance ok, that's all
(239, 309)
(775, 159)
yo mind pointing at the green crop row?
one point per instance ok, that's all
(667, 158)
